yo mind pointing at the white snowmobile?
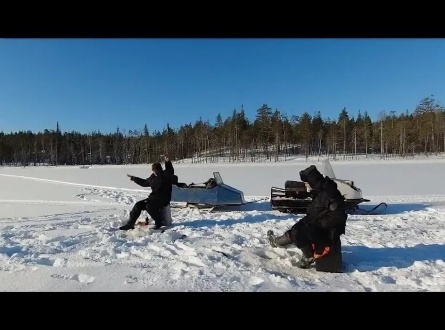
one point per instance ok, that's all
(295, 197)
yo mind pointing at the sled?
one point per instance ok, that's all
(211, 194)
(295, 197)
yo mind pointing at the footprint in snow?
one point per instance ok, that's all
(131, 279)
(254, 281)
(82, 278)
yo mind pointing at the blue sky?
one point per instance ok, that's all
(99, 84)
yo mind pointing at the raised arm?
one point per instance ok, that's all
(169, 167)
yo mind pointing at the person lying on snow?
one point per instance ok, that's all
(324, 223)
(160, 183)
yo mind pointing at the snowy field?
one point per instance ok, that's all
(56, 232)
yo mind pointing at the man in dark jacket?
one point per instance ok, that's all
(160, 183)
(324, 223)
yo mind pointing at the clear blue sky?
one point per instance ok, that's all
(91, 84)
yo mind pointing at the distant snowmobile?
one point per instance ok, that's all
(295, 197)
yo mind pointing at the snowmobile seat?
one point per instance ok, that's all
(331, 261)
(210, 183)
(295, 189)
(175, 180)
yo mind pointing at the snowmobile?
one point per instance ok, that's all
(211, 194)
(295, 197)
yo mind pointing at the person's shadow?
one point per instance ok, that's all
(363, 258)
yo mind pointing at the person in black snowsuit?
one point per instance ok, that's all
(323, 224)
(160, 183)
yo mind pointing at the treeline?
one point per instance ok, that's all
(271, 135)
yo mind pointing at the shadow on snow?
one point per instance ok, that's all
(363, 258)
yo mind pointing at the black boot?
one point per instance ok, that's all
(134, 215)
(282, 240)
(127, 226)
(307, 259)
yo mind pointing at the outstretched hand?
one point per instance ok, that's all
(130, 176)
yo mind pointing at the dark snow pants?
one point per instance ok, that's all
(304, 234)
(151, 206)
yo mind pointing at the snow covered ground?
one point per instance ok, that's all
(56, 232)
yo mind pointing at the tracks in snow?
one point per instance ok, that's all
(56, 203)
(72, 183)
